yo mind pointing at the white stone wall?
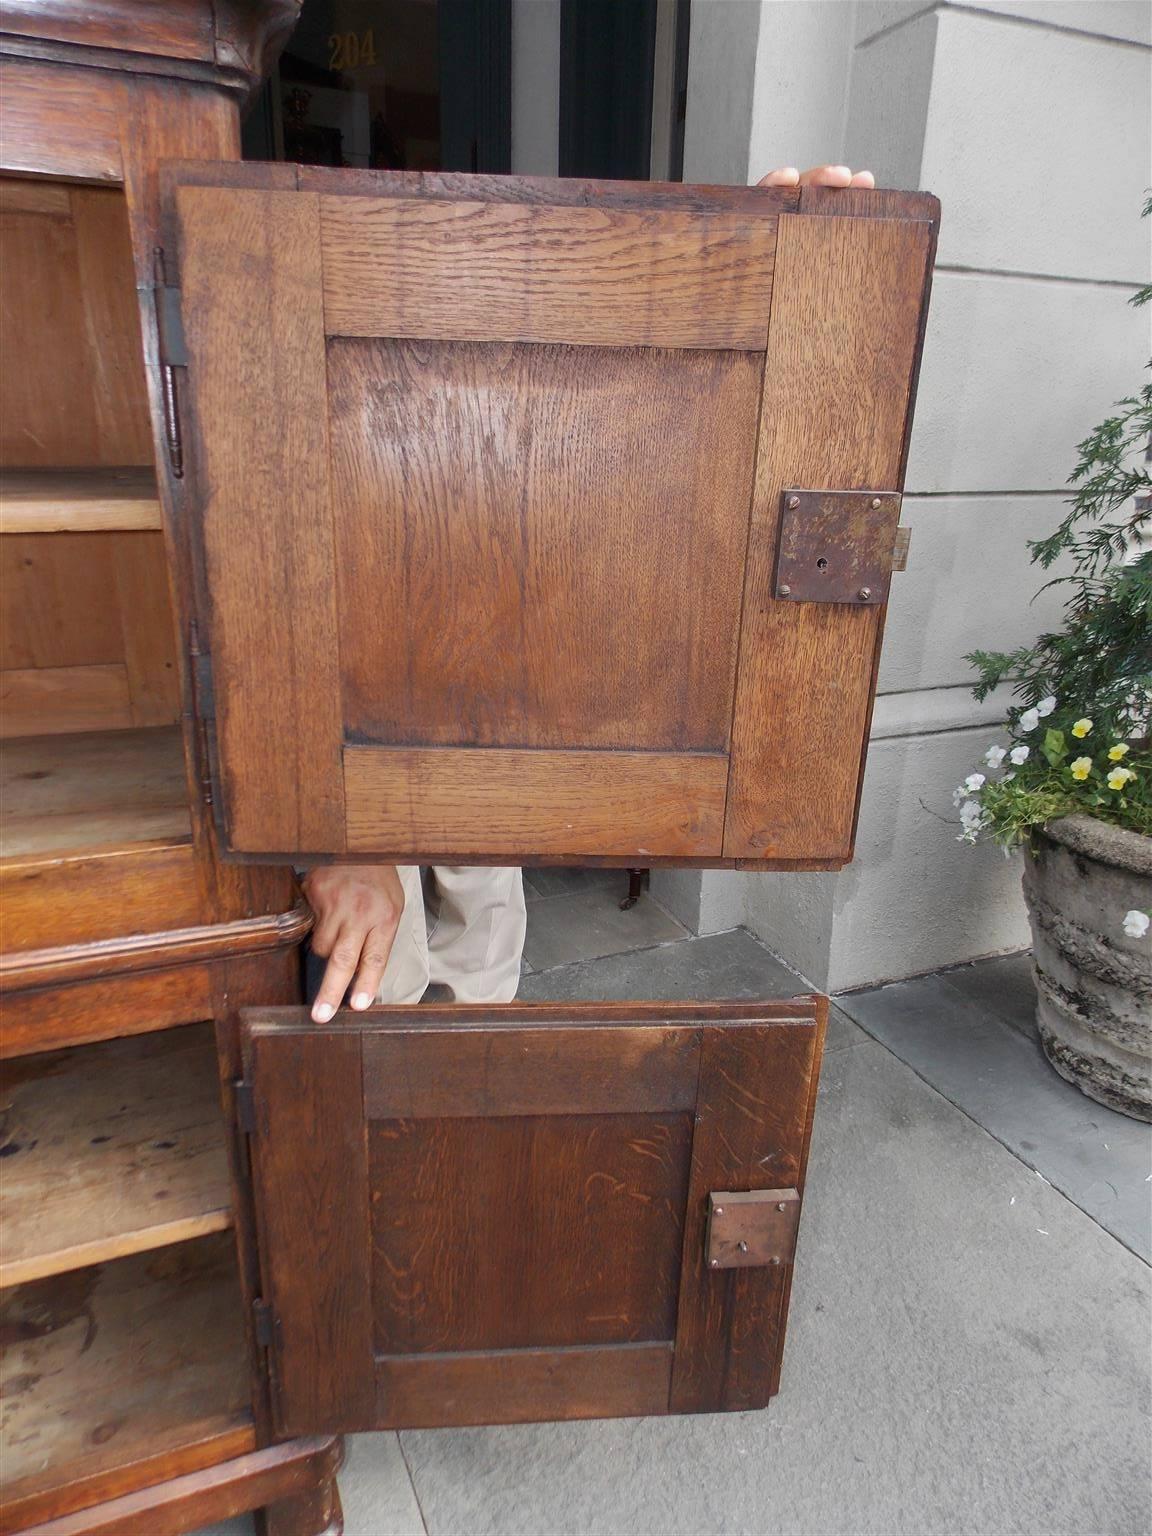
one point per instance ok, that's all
(1031, 123)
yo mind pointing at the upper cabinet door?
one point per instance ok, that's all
(503, 495)
(472, 1215)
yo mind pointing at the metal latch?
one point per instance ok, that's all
(839, 546)
(751, 1227)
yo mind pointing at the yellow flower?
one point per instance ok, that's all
(1118, 751)
(1119, 777)
(1081, 768)
(1081, 728)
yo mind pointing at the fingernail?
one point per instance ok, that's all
(323, 1012)
(361, 1000)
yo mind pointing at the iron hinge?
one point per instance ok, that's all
(245, 1107)
(263, 1323)
(839, 546)
(204, 702)
(173, 355)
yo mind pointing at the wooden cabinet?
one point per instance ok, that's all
(130, 1400)
(541, 520)
(478, 1215)
(427, 518)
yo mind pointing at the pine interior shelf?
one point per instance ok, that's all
(125, 1364)
(91, 790)
(78, 500)
(109, 1150)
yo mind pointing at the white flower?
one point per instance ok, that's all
(1046, 706)
(1029, 720)
(1136, 923)
(959, 794)
(1007, 779)
(995, 756)
(973, 782)
(972, 819)
(1019, 755)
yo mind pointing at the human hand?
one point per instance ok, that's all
(818, 176)
(358, 908)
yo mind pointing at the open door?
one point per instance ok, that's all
(540, 520)
(471, 1215)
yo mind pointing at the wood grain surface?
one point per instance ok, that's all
(492, 271)
(451, 1073)
(753, 1124)
(147, 628)
(519, 1386)
(310, 1167)
(634, 803)
(109, 1150)
(520, 515)
(124, 889)
(119, 1365)
(250, 269)
(70, 315)
(194, 1491)
(97, 789)
(520, 1203)
(51, 1017)
(841, 355)
(512, 1231)
(77, 500)
(533, 191)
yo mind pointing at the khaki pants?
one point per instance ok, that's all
(464, 933)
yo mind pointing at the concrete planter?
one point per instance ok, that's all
(1094, 984)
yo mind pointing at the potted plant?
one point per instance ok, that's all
(1072, 781)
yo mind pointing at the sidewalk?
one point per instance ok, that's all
(969, 1337)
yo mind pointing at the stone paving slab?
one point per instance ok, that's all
(969, 1033)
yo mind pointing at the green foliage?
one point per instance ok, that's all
(1098, 665)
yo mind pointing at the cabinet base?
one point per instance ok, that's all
(292, 1486)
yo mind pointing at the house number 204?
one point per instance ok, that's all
(351, 50)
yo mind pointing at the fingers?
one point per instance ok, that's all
(357, 910)
(827, 176)
(819, 176)
(373, 961)
(339, 971)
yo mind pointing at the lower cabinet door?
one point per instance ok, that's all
(476, 1215)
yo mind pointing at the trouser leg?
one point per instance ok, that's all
(476, 938)
(406, 974)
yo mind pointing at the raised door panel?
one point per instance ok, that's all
(488, 474)
(476, 1215)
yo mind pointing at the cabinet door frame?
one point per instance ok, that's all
(806, 672)
(361, 1111)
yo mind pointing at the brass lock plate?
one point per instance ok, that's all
(751, 1227)
(838, 546)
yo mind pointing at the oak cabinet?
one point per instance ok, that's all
(540, 520)
(480, 1215)
(427, 518)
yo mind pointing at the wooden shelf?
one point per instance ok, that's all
(91, 790)
(120, 1375)
(78, 500)
(109, 1150)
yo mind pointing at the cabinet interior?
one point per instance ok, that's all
(110, 1368)
(91, 765)
(120, 1300)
